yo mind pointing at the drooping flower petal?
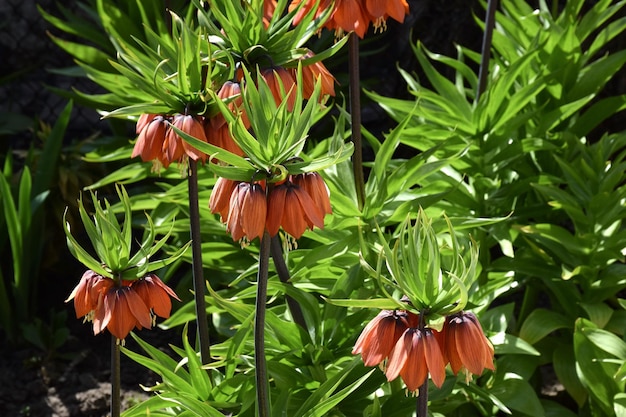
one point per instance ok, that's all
(155, 294)
(275, 209)
(380, 336)
(254, 212)
(434, 358)
(219, 202)
(408, 360)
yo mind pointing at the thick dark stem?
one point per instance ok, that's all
(422, 396)
(355, 113)
(422, 400)
(199, 287)
(283, 275)
(262, 392)
(486, 47)
(116, 405)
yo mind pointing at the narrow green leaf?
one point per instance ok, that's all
(14, 229)
(381, 303)
(199, 377)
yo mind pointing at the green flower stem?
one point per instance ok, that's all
(283, 275)
(355, 113)
(486, 47)
(422, 396)
(262, 391)
(199, 287)
(116, 405)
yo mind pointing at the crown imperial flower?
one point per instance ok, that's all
(414, 356)
(291, 207)
(121, 306)
(354, 15)
(381, 334)
(465, 345)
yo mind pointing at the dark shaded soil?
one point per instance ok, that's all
(75, 381)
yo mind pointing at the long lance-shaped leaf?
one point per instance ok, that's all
(380, 303)
(13, 227)
(81, 254)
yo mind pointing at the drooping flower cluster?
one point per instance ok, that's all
(157, 141)
(121, 306)
(354, 15)
(277, 75)
(296, 204)
(394, 338)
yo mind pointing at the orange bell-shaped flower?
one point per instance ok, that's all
(291, 207)
(247, 211)
(465, 344)
(122, 310)
(151, 129)
(219, 202)
(314, 185)
(175, 147)
(87, 294)
(379, 10)
(155, 294)
(380, 336)
(415, 355)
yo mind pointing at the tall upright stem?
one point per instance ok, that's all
(355, 114)
(486, 47)
(283, 275)
(116, 402)
(262, 392)
(199, 287)
(422, 396)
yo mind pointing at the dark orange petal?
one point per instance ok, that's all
(397, 9)
(149, 143)
(471, 348)
(193, 126)
(383, 339)
(275, 209)
(157, 281)
(138, 308)
(398, 356)
(315, 186)
(293, 221)
(254, 212)
(85, 294)
(349, 16)
(219, 202)
(434, 358)
(122, 321)
(450, 347)
(104, 311)
(143, 121)
(312, 213)
(415, 369)
(310, 75)
(233, 224)
(172, 147)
